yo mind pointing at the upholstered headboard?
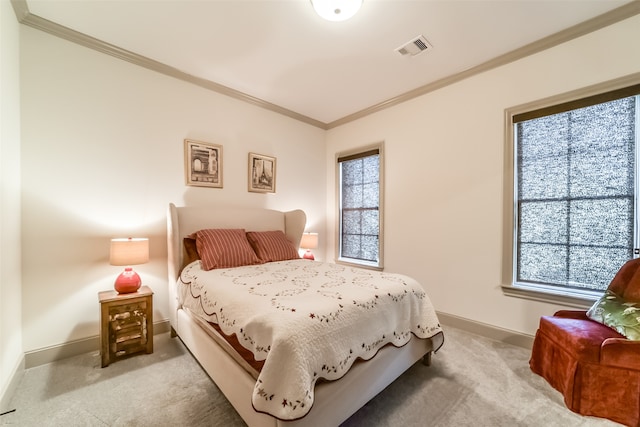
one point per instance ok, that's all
(183, 221)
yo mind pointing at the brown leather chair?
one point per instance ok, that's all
(595, 368)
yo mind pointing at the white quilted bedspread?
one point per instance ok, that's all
(307, 320)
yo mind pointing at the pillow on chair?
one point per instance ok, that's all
(612, 311)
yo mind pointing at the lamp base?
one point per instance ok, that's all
(308, 255)
(128, 281)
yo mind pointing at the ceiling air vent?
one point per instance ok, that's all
(414, 47)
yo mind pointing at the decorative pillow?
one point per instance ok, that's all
(616, 313)
(190, 250)
(224, 248)
(272, 246)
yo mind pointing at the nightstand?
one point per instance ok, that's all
(126, 324)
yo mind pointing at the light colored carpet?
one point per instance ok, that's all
(473, 381)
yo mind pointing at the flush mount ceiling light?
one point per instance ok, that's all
(336, 10)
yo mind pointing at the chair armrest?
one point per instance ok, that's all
(620, 352)
(572, 314)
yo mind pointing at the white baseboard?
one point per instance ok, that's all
(74, 348)
(7, 393)
(489, 331)
(51, 354)
(86, 345)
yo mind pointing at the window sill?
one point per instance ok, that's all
(574, 298)
(361, 264)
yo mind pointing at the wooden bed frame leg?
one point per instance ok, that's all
(426, 359)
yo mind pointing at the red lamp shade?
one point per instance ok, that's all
(309, 241)
(128, 252)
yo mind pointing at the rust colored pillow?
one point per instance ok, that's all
(190, 250)
(224, 248)
(272, 246)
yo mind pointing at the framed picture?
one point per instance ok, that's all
(203, 163)
(262, 173)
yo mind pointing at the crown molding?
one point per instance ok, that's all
(616, 15)
(34, 21)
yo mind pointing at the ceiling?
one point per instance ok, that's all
(281, 55)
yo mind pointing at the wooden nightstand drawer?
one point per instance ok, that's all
(126, 324)
(130, 346)
(129, 338)
(127, 310)
(137, 322)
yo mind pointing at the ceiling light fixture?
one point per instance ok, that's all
(336, 10)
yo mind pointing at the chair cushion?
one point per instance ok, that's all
(621, 353)
(582, 337)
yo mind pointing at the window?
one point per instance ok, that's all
(360, 207)
(575, 185)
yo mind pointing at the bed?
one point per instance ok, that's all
(331, 401)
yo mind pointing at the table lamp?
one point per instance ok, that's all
(129, 251)
(309, 241)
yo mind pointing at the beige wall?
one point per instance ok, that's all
(10, 279)
(444, 164)
(102, 156)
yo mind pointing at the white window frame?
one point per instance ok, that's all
(569, 297)
(352, 261)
